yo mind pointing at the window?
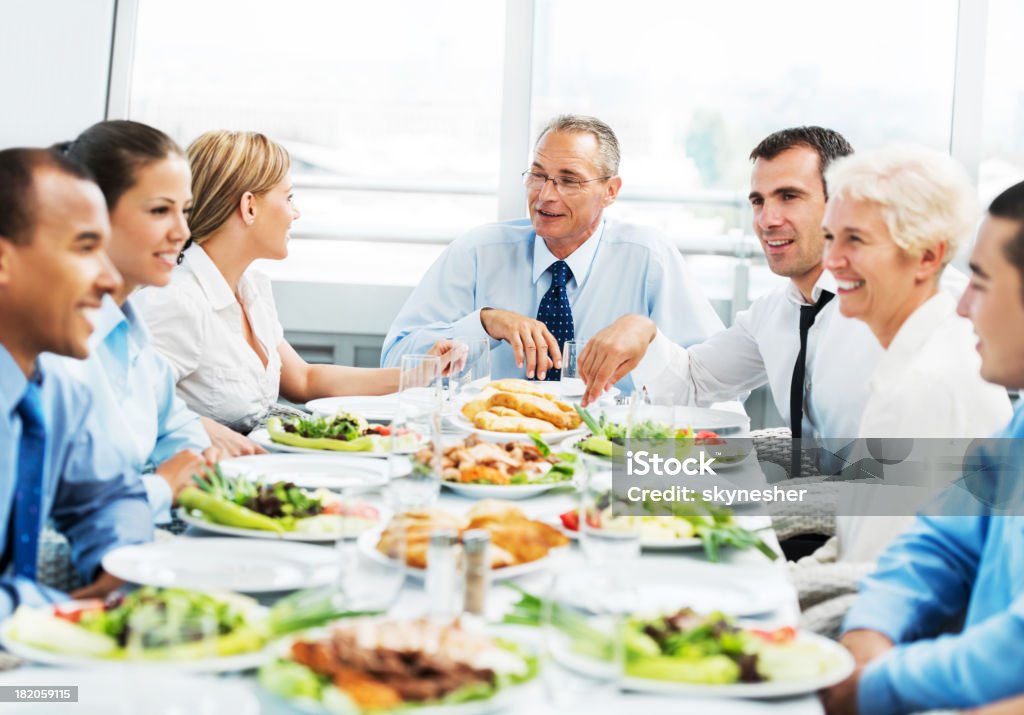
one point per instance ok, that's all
(690, 88)
(1002, 162)
(390, 109)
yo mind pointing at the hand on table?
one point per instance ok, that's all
(100, 588)
(613, 353)
(864, 645)
(178, 470)
(228, 442)
(532, 343)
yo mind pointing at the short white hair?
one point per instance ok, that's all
(924, 195)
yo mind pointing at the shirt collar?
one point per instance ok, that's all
(210, 279)
(12, 383)
(826, 281)
(120, 329)
(916, 329)
(579, 261)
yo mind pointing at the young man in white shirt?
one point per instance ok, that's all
(766, 343)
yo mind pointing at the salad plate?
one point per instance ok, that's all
(345, 531)
(379, 408)
(721, 659)
(312, 471)
(94, 633)
(155, 692)
(226, 564)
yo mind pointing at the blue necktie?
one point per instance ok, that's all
(28, 496)
(554, 310)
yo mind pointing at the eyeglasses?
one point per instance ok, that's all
(565, 185)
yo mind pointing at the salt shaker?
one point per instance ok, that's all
(444, 574)
(476, 545)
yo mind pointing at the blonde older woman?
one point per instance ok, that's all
(894, 220)
(216, 323)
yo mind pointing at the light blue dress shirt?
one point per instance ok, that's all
(89, 493)
(964, 564)
(623, 268)
(133, 395)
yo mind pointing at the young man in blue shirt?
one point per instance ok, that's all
(54, 274)
(966, 562)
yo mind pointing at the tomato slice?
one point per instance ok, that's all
(74, 610)
(571, 520)
(779, 635)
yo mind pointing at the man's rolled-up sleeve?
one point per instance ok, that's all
(19, 591)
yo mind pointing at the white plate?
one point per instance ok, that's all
(110, 692)
(840, 666)
(262, 438)
(311, 471)
(573, 391)
(368, 547)
(724, 422)
(244, 565)
(380, 408)
(201, 523)
(459, 421)
(219, 664)
(502, 700)
(503, 491)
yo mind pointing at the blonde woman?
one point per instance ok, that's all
(894, 220)
(216, 323)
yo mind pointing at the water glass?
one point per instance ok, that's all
(156, 632)
(372, 583)
(414, 475)
(583, 623)
(571, 384)
(605, 539)
(470, 367)
(419, 386)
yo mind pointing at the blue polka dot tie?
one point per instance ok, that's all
(554, 310)
(28, 497)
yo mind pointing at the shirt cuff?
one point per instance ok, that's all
(655, 362)
(882, 612)
(876, 693)
(470, 328)
(158, 492)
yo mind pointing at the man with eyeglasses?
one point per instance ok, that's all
(564, 274)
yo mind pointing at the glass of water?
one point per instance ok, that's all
(583, 623)
(471, 367)
(608, 536)
(571, 384)
(419, 386)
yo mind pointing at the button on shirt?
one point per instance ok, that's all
(133, 397)
(622, 268)
(89, 494)
(968, 562)
(196, 324)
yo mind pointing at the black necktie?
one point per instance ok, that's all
(554, 310)
(796, 388)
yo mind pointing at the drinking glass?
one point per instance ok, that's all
(414, 473)
(372, 582)
(175, 632)
(606, 539)
(571, 384)
(583, 622)
(470, 368)
(419, 386)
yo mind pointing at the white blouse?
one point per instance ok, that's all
(927, 384)
(196, 324)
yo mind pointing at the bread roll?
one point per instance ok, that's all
(537, 407)
(521, 425)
